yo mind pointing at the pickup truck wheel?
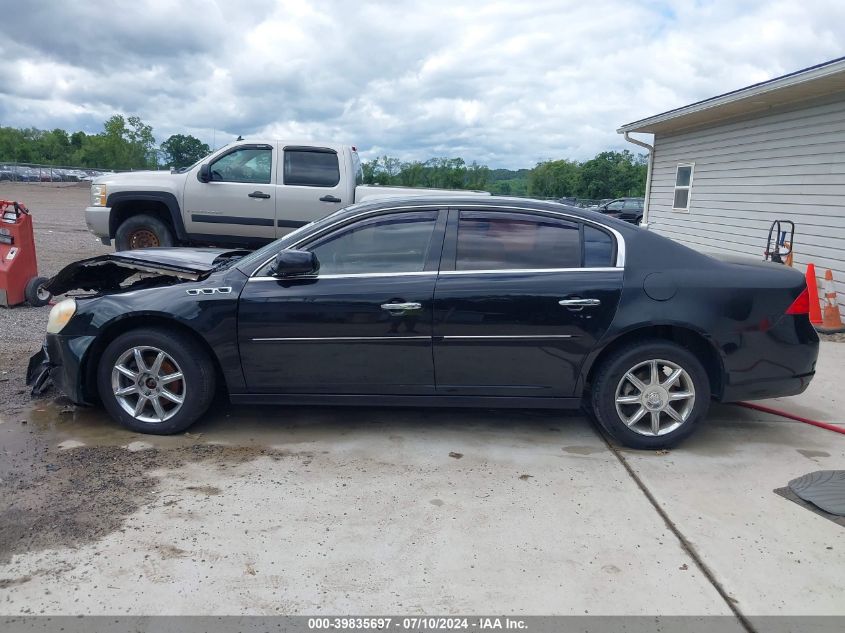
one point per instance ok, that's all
(142, 231)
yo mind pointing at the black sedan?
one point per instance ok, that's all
(433, 301)
(628, 209)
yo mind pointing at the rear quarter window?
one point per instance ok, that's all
(598, 248)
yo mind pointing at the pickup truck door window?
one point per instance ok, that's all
(516, 311)
(240, 198)
(312, 183)
(245, 165)
(358, 326)
(311, 169)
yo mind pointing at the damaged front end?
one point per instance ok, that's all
(143, 267)
(38, 372)
(73, 324)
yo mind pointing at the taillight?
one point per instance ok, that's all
(801, 305)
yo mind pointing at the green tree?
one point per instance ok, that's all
(182, 150)
(611, 175)
(553, 179)
(127, 143)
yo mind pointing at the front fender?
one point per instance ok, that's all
(211, 318)
(169, 200)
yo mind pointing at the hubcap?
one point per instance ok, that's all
(143, 238)
(655, 397)
(148, 384)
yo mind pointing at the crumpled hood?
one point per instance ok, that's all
(107, 272)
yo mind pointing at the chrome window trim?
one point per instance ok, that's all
(344, 276)
(620, 241)
(501, 271)
(519, 271)
(345, 338)
(505, 337)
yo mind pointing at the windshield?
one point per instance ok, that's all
(182, 170)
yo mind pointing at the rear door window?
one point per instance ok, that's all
(502, 241)
(308, 167)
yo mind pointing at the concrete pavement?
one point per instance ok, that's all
(312, 510)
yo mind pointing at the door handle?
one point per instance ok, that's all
(330, 198)
(401, 308)
(258, 194)
(579, 304)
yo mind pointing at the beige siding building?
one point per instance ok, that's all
(721, 170)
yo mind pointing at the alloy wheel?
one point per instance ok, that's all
(655, 397)
(148, 384)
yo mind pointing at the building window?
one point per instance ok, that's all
(683, 187)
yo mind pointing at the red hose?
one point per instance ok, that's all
(797, 418)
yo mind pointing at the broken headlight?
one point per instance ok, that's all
(60, 315)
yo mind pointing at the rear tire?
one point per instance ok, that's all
(35, 294)
(660, 412)
(164, 393)
(142, 231)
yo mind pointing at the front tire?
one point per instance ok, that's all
(152, 381)
(142, 231)
(650, 395)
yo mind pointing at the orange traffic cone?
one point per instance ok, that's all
(832, 320)
(813, 291)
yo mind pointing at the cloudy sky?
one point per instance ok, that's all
(504, 83)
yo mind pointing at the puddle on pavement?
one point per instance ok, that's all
(59, 425)
(70, 475)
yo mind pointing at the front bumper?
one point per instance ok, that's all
(60, 362)
(97, 219)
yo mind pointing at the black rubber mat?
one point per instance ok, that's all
(823, 488)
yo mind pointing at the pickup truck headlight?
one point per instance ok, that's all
(98, 195)
(60, 315)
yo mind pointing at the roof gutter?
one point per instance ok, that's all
(819, 71)
(650, 149)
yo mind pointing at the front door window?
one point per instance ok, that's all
(243, 165)
(398, 243)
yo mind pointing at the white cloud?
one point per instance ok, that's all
(503, 83)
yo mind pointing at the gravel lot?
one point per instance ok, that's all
(61, 237)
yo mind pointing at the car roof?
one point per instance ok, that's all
(459, 200)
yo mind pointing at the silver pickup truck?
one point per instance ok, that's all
(245, 194)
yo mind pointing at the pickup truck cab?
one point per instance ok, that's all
(245, 194)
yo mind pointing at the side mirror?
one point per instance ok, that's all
(292, 262)
(204, 174)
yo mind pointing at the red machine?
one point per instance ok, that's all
(19, 280)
